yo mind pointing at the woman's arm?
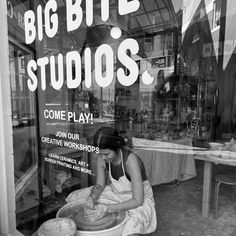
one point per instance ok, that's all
(133, 169)
(100, 179)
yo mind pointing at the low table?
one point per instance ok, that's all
(209, 160)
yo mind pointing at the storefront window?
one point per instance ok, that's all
(74, 71)
(24, 132)
(164, 79)
(71, 76)
(54, 120)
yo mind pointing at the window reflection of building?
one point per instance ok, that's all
(215, 67)
(196, 28)
(216, 13)
(25, 142)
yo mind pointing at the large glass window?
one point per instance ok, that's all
(117, 71)
(75, 67)
(24, 132)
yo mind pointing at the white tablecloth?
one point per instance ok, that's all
(166, 161)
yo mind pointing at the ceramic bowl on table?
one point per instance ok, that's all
(111, 225)
(216, 146)
(58, 227)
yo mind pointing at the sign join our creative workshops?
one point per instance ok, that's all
(45, 21)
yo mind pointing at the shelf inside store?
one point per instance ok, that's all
(126, 97)
(71, 182)
(48, 205)
(171, 99)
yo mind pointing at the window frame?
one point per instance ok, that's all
(7, 196)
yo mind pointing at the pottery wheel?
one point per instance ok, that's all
(84, 224)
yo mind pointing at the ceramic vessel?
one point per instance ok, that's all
(216, 146)
(58, 227)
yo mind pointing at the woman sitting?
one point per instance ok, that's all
(128, 190)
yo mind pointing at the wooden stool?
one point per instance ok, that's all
(223, 179)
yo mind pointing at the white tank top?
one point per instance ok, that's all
(122, 185)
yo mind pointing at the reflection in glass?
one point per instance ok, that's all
(24, 131)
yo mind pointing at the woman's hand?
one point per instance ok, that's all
(98, 212)
(89, 204)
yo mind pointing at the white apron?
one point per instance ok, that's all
(141, 220)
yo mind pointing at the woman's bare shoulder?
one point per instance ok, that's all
(132, 159)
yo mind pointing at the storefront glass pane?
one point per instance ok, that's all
(24, 134)
(64, 87)
(70, 76)
(76, 68)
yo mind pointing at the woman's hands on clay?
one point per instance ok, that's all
(96, 213)
(89, 204)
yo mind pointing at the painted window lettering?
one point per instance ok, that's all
(73, 58)
(51, 22)
(74, 15)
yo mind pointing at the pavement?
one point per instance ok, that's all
(179, 206)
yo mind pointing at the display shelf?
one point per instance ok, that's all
(207, 105)
(126, 97)
(71, 177)
(71, 182)
(171, 99)
(47, 206)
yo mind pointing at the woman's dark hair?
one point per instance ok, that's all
(108, 138)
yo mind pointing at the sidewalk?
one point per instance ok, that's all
(179, 208)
